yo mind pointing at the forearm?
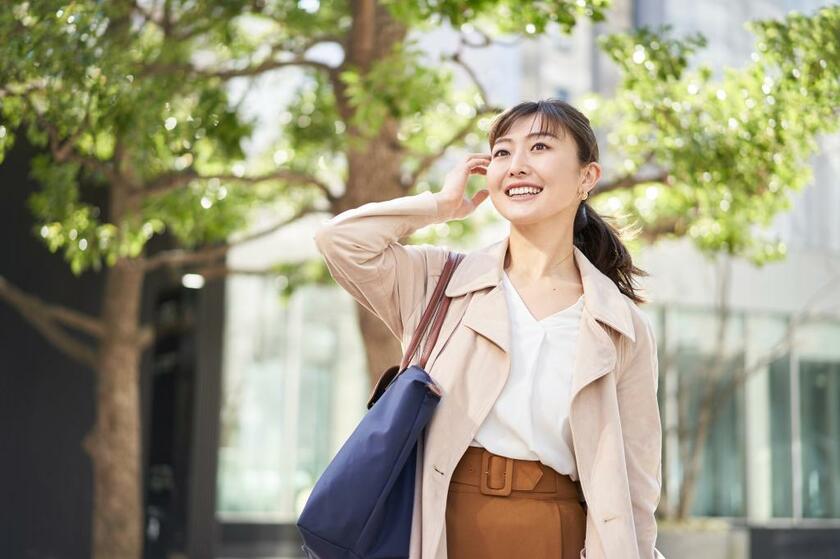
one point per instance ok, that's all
(365, 231)
(361, 250)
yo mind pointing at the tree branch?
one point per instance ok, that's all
(485, 42)
(169, 182)
(209, 254)
(486, 39)
(456, 58)
(670, 226)
(270, 63)
(263, 67)
(428, 160)
(65, 150)
(787, 341)
(220, 271)
(631, 180)
(48, 318)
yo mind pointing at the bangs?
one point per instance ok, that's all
(550, 118)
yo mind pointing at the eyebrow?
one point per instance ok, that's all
(507, 138)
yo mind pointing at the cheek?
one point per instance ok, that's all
(564, 177)
(495, 172)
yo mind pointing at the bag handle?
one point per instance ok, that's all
(438, 305)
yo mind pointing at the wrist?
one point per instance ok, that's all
(445, 207)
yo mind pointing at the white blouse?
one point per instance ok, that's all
(530, 419)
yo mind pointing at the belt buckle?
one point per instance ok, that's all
(484, 487)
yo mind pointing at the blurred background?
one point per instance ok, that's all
(178, 367)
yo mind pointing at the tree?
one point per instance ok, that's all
(715, 160)
(724, 371)
(130, 97)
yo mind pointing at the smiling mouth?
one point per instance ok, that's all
(523, 192)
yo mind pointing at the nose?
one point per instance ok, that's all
(518, 167)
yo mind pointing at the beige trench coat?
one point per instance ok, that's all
(613, 415)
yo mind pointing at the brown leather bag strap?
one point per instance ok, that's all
(438, 306)
(433, 335)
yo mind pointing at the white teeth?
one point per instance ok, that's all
(523, 190)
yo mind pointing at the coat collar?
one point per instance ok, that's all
(483, 268)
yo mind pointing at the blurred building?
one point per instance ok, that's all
(772, 454)
(294, 384)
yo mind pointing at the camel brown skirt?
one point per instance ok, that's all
(505, 508)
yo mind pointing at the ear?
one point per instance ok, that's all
(589, 176)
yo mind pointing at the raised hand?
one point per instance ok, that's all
(452, 200)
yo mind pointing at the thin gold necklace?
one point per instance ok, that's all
(565, 258)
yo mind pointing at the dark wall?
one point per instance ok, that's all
(794, 543)
(47, 400)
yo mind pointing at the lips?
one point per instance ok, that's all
(509, 187)
(530, 192)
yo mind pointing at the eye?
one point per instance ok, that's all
(544, 145)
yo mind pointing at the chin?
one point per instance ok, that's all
(526, 220)
(533, 215)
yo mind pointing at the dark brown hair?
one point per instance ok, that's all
(594, 235)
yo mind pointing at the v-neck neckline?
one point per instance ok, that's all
(542, 321)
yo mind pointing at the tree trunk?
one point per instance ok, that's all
(374, 165)
(709, 400)
(692, 470)
(115, 442)
(381, 347)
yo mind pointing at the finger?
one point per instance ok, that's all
(480, 196)
(476, 165)
(478, 156)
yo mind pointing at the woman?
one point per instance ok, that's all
(547, 365)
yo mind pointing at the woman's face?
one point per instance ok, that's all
(545, 161)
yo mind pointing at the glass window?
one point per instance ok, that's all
(656, 314)
(779, 411)
(768, 417)
(820, 394)
(705, 363)
(818, 351)
(288, 401)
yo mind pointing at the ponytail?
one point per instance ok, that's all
(601, 242)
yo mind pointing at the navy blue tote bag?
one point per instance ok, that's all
(361, 506)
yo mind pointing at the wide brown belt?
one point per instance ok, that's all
(499, 475)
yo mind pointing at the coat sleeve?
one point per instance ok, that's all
(642, 433)
(361, 250)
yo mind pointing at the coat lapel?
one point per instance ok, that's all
(487, 315)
